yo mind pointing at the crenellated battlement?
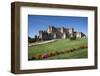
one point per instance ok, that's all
(58, 33)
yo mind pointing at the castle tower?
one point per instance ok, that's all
(62, 30)
(64, 36)
(49, 29)
(71, 30)
(79, 34)
(41, 34)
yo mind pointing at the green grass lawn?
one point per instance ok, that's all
(60, 45)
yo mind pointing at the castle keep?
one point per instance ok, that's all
(59, 33)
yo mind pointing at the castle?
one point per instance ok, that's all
(59, 33)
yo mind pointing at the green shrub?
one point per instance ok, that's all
(57, 52)
(51, 54)
(73, 38)
(38, 56)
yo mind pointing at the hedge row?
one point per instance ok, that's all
(50, 54)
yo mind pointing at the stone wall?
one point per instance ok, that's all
(58, 33)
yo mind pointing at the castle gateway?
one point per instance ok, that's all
(59, 33)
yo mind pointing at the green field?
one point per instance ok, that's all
(60, 45)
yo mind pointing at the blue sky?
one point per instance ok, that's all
(41, 22)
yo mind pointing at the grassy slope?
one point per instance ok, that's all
(55, 46)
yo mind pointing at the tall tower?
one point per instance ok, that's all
(71, 30)
(62, 30)
(49, 29)
(41, 34)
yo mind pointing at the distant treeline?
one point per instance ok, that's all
(31, 40)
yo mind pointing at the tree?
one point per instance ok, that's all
(29, 38)
(73, 38)
(36, 36)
